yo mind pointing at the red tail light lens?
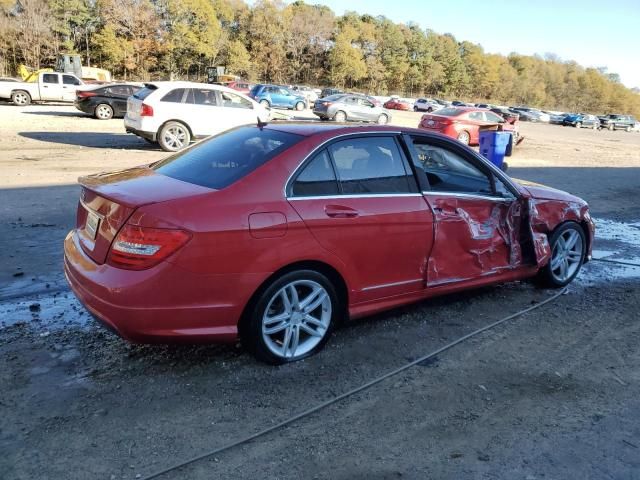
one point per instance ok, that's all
(139, 248)
(326, 104)
(146, 111)
(84, 94)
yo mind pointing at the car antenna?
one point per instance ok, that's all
(262, 124)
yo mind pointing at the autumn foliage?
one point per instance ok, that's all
(294, 43)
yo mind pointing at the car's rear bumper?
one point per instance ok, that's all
(163, 304)
(148, 135)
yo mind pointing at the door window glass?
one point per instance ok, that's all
(50, 78)
(492, 117)
(203, 96)
(447, 171)
(370, 165)
(479, 116)
(174, 96)
(69, 80)
(120, 90)
(235, 101)
(317, 178)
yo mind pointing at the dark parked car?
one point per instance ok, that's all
(617, 122)
(580, 120)
(277, 233)
(105, 101)
(327, 92)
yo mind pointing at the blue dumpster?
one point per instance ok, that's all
(493, 146)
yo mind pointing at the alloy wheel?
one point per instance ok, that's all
(566, 257)
(296, 319)
(104, 112)
(383, 119)
(175, 137)
(20, 98)
(463, 137)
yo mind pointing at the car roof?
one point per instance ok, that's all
(309, 129)
(182, 84)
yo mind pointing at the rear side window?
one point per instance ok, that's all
(50, 78)
(317, 178)
(70, 80)
(203, 96)
(174, 96)
(120, 90)
(226, 158)
(370, 165)
(145, 92)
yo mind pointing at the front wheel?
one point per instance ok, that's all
(464, 137)
(265, 103)
(300, 106)
(628, 129)
(292, 318)
(174, 136)
(610, 127)
(568, 249)
(20, 98)
(578, 125)
(382, 119)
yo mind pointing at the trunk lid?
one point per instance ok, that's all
(107, 201)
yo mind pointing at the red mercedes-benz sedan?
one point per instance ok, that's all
(463, 123)
(274, 234)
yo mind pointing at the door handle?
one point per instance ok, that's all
(338, 211)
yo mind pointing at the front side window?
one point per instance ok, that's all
(370, 165)
(174, 96)
(235, 101)
(70, 80)
(227, 157)
(50, 78)
(447, 171)
(317, 178)
(492, 117)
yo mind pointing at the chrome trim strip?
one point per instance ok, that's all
(91, 210)
(366, 195)
(470, 195)
(395, 284)
(318, 147)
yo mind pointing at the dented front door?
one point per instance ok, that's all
(475, 236)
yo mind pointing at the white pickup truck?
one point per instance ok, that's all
(50, 87)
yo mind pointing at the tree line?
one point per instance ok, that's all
(296, 43)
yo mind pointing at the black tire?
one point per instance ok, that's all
(578, 125)
(299, 106)
(265, 103)
(383, 119)
(20, 98)
(429, 110)
(103, 111)
(546, 276)
(340, 116)
(181, 133)
(251, 330)
(416, 109)
(628, 129)
(611, 126)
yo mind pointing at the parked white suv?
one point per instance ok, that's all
(176, 113)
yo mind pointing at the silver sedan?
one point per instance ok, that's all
(346, 107)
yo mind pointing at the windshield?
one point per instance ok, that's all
(450, 112)
(227, 157)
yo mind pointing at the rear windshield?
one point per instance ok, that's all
(226, 158)
(450, 112)
(145, 92)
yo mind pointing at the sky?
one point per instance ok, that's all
(603, 33)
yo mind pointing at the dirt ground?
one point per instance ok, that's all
(554, 394)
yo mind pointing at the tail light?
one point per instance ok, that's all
(85, 94)
(326, 104)
(146, 110)
(139, 248)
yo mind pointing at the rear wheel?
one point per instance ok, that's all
(340, 116)
(300, 106)
(578, 125)
(21, 98)
(174, 136)
(568, 248)
(103, 112)
(416, 109)
(464, 137)
(265, 103)
(611, 126)
(383, 119)
(292, 318)
(628, 129)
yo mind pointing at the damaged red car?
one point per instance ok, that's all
(463, 123)
(275, 234)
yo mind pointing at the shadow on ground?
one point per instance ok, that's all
(92, 139)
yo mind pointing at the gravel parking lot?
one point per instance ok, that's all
(553, 394)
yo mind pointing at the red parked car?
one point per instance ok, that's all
(276, 233)
(242, 87)
(463, 123)
(398, 104)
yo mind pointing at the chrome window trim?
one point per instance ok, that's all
(394, 284)
(356, 195)
(470, 196)
(323, 144)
